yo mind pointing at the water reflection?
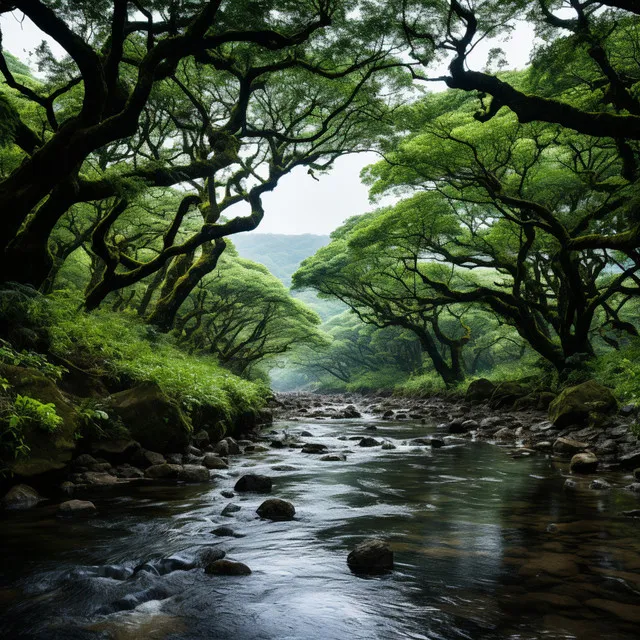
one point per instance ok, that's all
(486, 547)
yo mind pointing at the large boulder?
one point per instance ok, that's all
(48, 451)
(480, 390)
(152, 418)
(276, 509)
(371, 557)
(21, 496)
(575, 404)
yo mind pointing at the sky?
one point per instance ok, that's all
(299, 204)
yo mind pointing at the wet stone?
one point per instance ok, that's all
(254, 484)
(226, 532)
(76, 509)
(371, 557)
(276, 509)
(227, 568)
(230, 509)
(368, 442)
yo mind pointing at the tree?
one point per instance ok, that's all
(217, 98)
(538, 210)
(599, 36)
(245, 316)
(366, 270)
(358, 350)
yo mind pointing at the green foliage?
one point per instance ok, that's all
(28, 411)
(31, 359)
(421, 386)
(122, 347)
(620, 369)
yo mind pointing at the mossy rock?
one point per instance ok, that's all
(152, 418)
(575, 404)
(507, 393)
(480, 390)
(48, 451)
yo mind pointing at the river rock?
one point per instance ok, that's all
(83, 461)
(388, 446)
(368, 442)
(599, 485)
(276, 509)
(76, 508)
(455, 426)
(254, 483)
(312, 447)
(568, 447)
(226, 532)
(222, 448)
(574, 404)
(129, 472)
(232, 446)
(209, 554)
(479, 390)
(230, 509)
(634, 487)
(163, 471)
(99, 479)
(334, 457)
(212, 461)
(585, 462)
(436, 443)
(21, 496)
(371, 557)
(227, 568)
(504, 434)
(193, 473)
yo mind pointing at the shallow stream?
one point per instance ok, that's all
(486, 547)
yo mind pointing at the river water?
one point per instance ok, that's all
(486, 547)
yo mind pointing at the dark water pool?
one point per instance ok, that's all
(486, 547)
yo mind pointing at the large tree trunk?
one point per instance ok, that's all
(164, 313)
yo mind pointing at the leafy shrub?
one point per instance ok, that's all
(621, 370)
(424, 385)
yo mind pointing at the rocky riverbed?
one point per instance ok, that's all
(475, 540)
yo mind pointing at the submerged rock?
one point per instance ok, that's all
(371, 557)
(600, 485)
(254, 484)
(368, 442)
(313, 447)
(76, 508)
(230, 509)
(334, 457)
(227, 568)
(276, 509)
(22, 496)
(226, 532)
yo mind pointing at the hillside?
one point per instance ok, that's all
(280, 253)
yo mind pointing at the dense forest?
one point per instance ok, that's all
(147, 326)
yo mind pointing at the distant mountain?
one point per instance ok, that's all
(280, 253)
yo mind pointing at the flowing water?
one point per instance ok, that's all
(486, 547)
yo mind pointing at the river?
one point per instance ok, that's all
(486, 547)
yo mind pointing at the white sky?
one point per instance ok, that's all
(299, 204)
